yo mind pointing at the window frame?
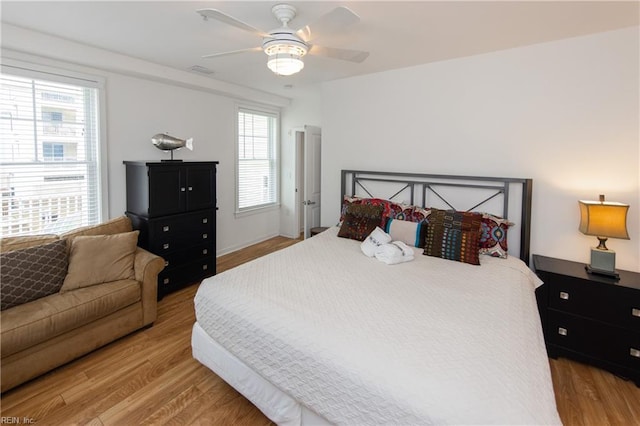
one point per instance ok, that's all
(27, 66)
(266, 111)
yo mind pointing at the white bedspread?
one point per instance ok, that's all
(429, 341)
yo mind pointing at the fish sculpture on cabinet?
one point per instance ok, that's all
(165, 142)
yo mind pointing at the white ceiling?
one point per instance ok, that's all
(397, 34)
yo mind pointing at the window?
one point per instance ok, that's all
(49, 152)
(257, 166)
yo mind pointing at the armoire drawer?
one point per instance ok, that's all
(192, 253)
(186, 273)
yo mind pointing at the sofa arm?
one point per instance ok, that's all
(147, 266)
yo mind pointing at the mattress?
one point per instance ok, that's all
(357, 341)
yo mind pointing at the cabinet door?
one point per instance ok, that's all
(167, 191)
(201, 188)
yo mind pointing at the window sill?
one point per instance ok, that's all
(257, 210)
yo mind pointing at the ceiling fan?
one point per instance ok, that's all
(285, 46)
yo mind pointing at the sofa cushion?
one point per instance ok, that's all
(35, 322)
(25, 241)
(114, 226)
(32, 273)
(100, 259)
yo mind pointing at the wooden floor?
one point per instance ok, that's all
(150, 377)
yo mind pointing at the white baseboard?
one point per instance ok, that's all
(245, 244)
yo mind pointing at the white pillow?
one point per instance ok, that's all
(410, 233)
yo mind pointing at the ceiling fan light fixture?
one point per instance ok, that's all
(285, 63)
(285, 56)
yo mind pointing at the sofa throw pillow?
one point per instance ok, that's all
(453, 235)
(100, 259)
(360, 220)
(32, 273)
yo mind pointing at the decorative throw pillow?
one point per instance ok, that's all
(390, 209)
(410, 233)
(100, 259)
(360, 220)
(452, 244)
(32, 273)
(493, 235)
(453, 235)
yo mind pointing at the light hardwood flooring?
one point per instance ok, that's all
(149, 377)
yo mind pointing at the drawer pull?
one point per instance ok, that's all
(165, 229)
(205, 267)
(205, 251)
(564, 295)
(165, 246)
(634, 352)
(205, 236)
(562, 331)
(205, 220)
(166, 281)
(635, 312)
(166, 263)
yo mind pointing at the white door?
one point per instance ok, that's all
(312, 177)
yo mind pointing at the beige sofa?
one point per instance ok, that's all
(45, 333)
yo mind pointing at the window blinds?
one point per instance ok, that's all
(257, 167)
(49, 149)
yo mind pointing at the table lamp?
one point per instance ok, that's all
(603, 219)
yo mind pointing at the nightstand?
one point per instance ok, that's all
(317, 230)
(590, 318)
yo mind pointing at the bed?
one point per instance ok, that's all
(319, 333)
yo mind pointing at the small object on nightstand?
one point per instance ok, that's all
(317, 230)
(591, 318)
(603, 219)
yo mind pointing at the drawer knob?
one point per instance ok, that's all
(191, 188)
(183, 189)
(634, 352)
(205, 267)
(564, 295)
(205, 251)
(165, 246)
(165, 281)
(205, 220)
(562, 331)
(205, 236)
(635, 312)
(165, 229)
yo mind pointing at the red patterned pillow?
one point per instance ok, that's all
(390, 209)
(493, 235)
(360, 220)
(453, 235)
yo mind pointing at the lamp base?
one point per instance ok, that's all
(592, 270)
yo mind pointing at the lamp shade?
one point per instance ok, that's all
(285, 63)
(603, 219)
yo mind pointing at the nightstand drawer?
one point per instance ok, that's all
(613, 304)
(597, 339)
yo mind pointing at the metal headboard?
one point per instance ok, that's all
(417, 188)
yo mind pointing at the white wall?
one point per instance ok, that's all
(144, 99)
(564, 113)
(306, 109)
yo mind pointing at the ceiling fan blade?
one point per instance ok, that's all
(232, 52)
(223, 17)
(336, 20)
(343, 54)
